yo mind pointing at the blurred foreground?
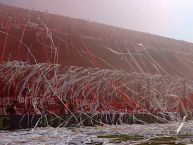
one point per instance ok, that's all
(121, 134)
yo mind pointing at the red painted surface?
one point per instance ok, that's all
(82, 43)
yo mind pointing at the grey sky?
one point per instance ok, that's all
(171, 18)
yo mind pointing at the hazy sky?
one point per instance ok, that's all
(171, 18)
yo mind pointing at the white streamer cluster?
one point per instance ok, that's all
(73, 90)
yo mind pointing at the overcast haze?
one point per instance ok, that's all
(170, 18)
